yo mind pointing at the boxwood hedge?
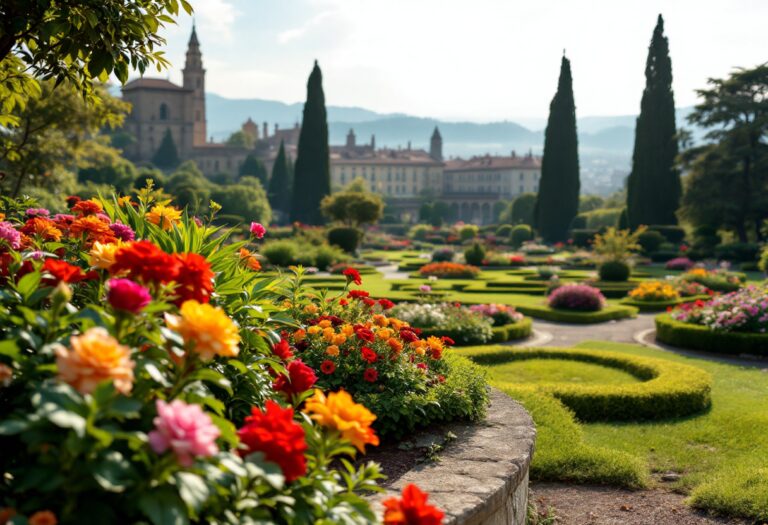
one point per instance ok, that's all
(501, 334)
(696, 337)
(667, 389)
(608, 313)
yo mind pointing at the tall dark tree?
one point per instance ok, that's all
(557, 202)
(253, 167)
(280, 184)
(312, 171)
(654, 187)
(166, 157)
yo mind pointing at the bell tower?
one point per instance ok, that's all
(194, 79)
(436, 146)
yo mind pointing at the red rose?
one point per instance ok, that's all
(447, 341)
(352, 276)
(327, 367)
(408, 335)
(370, 375)
(194, 280)
(436, 353)
(300, 378)
(143, 261)
(274, 433)
(282, 350)
(411, 509)
(368, 355)
(358, 294)
(386, 304)
(370, 303)
(364, 333)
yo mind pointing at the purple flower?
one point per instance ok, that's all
(122, 231)
(425, 288)
(9, 234)
(37, 212)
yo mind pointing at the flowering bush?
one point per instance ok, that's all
(446, 319)
(141, 379)
(501, 314)
(448, 270)
(654, 291)
(690, 288)
(679, 263)
(579, 297)
(745, 310)
(716, 280)
(517, 259)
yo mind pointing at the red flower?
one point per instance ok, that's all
(369, 302)
(364, 333)
(282, 350)
(408, 335)
(352, 276)
(194, 280)
(63, 271)
(300, 378)
(275, 434)
(143, 261)
(411, 509)
(386, 304)
(447, 341)
(327, 367)
(83, 208)
(343, 302)
(72, 200)
(370, 375)
(368, 355)
(358, 294)
(436, 353)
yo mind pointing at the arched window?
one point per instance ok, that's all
(164, 113)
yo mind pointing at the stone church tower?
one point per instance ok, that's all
(194, 79)
(436, 146)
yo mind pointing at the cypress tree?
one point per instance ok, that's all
(557, 202)
(279, 184)
(312, 171)
(253, 167)
(654, 188)
(166, 157)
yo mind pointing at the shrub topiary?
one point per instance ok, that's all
(504, 230)
(614, 271)
(698, 337)
(468, 231)
(475, 255)
(280, 253)
(443, 255)
(738, 251)
(583, 237)
(345, 238)
(579, 222)
(419, 232)
(763, 264)
(650, 241)
(672, 233)
(580, 297)
(520, 234)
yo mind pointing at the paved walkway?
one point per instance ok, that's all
(622, 331)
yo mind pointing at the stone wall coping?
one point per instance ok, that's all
(475, 475)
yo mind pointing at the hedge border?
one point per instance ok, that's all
(696, 337)
(650, 306)
(667, 389)
(608, 313)
(508, 332)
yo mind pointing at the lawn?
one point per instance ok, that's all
(721, 455)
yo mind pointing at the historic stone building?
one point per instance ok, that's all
(406, 177)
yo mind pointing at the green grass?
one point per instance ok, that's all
(561, 371)
(721, 454)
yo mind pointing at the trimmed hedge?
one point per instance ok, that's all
(650, 306)
(501, 334)
(697, 337)
(667, 389)
(608, 313)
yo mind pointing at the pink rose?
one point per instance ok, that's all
(185, 429)
(258, 230)
(127, 295)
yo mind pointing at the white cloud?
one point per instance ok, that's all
(300, 32)
(216, 17)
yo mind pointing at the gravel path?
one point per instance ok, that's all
(622, 331)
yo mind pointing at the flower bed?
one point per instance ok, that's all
(150, 373)
(456, 322)
(715, 280)
(653, 296)
(743, 311)
(448, 270)
(697, 337)
(679, 263)
(576, 297)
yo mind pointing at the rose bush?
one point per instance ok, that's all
(580, 297)
(745, 310)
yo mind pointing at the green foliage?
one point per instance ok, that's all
(738, 251)
(763, 264)
(242, 139)
(520, 233)
(513, 331)
(167, 156)
(353, 208)
(650, 241)
(245, 200)
(666, 389)
(419, 232)
(558, 198)
(287, 252)
(504, 230)
(110, 169)
(253, 167)
(189, 187)
(602, 218)
(653, 187)
(280, 184)
(672, 233)
(346, 238)
(468, 232)
(583, 238)
(590, 202)
(608, 313)
(697, 337)
(617, 245)
(522, 209)
(475, 254)
(312, 172)
(736, 491)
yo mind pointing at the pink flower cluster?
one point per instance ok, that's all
(745, 310)
(679, 263)
(9, 234)
(500, 313)
(579, 297)
(185, 430)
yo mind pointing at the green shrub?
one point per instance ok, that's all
(583, 237)
(763, 265)
(650, 306)
(345, 238)
(602, 217)
(475, 255)
(738, 491)
(650, 241)
(667, 389)
(468, 231)
(280, 253)
(520, 234)
(419, 232)
(503, 231)
(579, 222)
(672, 233)
(326, 256)
(623, 222)
(608, 313)
(738, 251)
(697, 337)
(614, 271)
(664, 255)
(514, 331)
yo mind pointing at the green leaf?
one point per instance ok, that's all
(67, 419)
(210, 375)
(9, 349)
(113, 472)
(10, 427)
(164, 507)
(28, 284)
(193, 490)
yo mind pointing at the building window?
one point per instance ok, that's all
(164, 113)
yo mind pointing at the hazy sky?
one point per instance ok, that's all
(477, 60)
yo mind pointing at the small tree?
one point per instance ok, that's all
(353, 208)
(253, 167)
(618, 245)
(522, 208)
(167, 156)
(279, 183)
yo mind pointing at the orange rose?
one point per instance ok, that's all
(95, 356)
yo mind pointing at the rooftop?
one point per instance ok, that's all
(492, 162)
(152, 83)
(366, 155)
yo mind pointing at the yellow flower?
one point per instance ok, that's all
(332, 350)
(314, 330)
(348, 330)
(325, 323)
(698, 272)
(102, 255)
(310, 309)
(397, 324)
(339, 412)
(380, 320)
(95, 356)
(328, 334)
(125, 200)
(434, 343)
(384, 334)
(299, 335)
(164, 216)
(207, 330)
(339, 339)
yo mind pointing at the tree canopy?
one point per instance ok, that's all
(167, 156)
(353, 208)
(280, 182)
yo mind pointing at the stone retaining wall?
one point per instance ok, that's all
(481, 477)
